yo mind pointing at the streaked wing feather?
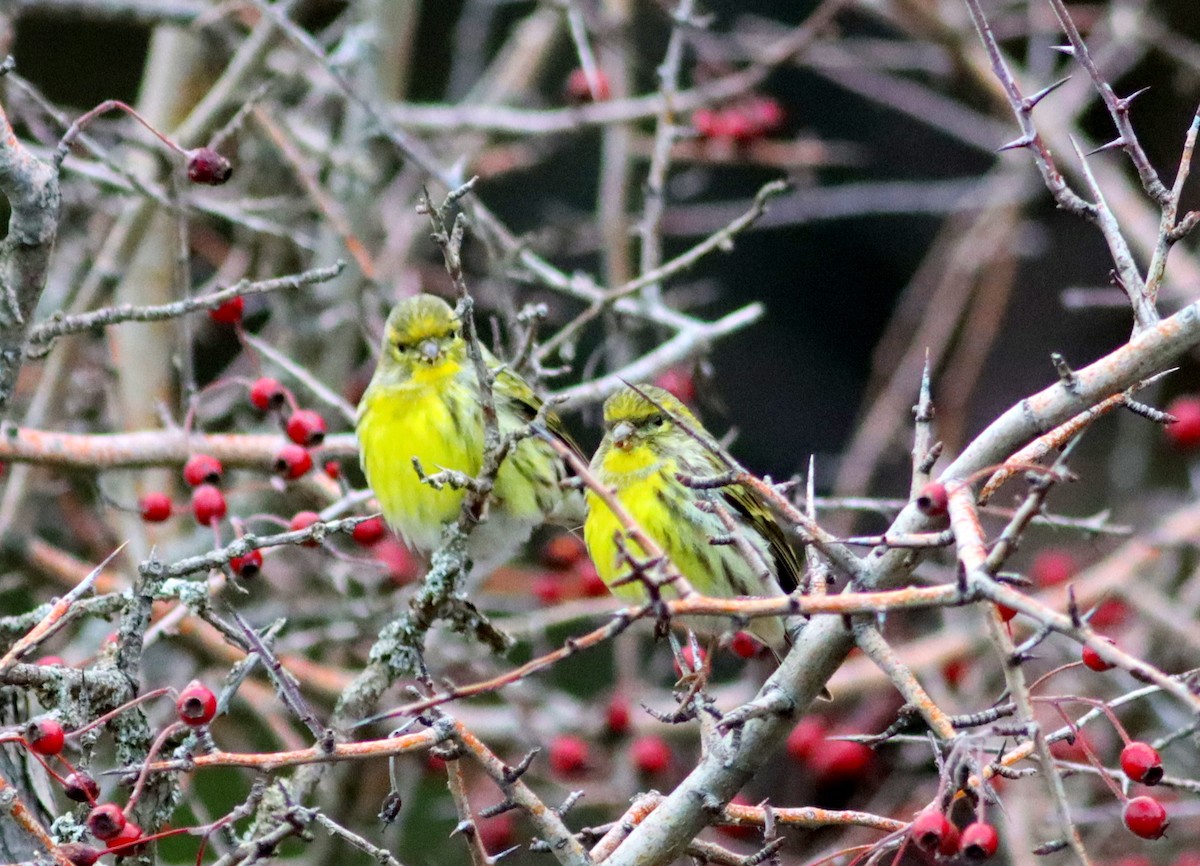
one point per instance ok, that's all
(789, 564)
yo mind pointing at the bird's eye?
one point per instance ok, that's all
(657, 420)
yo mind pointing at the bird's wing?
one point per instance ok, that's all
(516, 392)
(747, 502)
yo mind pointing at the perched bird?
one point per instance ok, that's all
(646, 445)
(424, 402)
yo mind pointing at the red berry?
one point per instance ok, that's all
(333, 468)
(1141, 763)
(1074, 748)
(591, 584)
(562, 551)
(45, 736)
(124, 840)
(617, 715)
(247, 566)
(305, 427)
(1145, 817)
(369, 532)
(496, 833)
(955, 670)
(303, 520)
(579, 89)
(979, 841)
(267, 394)
(650, 754)
(293, 461)
(929, 830)
(1109, 612)
(1006, 612)
(678, 383)
(1184, 433)
(402, 565)
(765, 113)
(745, 645)
(202, 469)
(105, 821)
(933, 500)
(705, 122)
(568, 755)
(81, 787)
(78, 854)
(197, 705)
(805, 739)
(208, 504)
(230, 312)
(1092, 659)
(841, 761)
(46, 661)
(739, 831)
(155, 507)
(548, 589)
(205, 165)
(1053, 566)
(691, 661)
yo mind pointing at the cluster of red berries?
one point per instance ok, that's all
(935, 834)
(831, 761)
(570, 756)
(747, 119)
(569, 571)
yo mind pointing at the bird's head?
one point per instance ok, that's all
(645, 415)
(422, 333)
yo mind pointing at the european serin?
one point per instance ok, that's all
(645, 445)
(424, 402)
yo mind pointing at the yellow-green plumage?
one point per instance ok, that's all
(644, 447)
(423, 402)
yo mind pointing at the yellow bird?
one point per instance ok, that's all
(424, 402)
(645, 445)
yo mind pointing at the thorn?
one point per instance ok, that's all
(1068, 50)
(1112, 145)
(1031, 102)
(1023, 141)
(1065, 374)
(467, 828)
(1123, 104)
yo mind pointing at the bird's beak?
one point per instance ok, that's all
(429, 350)
(621, 434)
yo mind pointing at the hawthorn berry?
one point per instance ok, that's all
(230, 312)
(105, 821)
(1006, 612)
(1092, 659)
(930, 830)
(578, 89)
(197, 705)
(841, 761)
(1141, 763)
(206, 166)
(333, 468)
(679, 383)
(402, 565)
(548, 589)
(745, 645)
(202, 469)
(739, 831)
(497, 833)
(369, 532)
(154, 507)
(78, 854)
(247, 566)
(1053, 566)
(1184, 433)
(617, 715)
(124, 840)
(650, 754)
(303, 520)
(306, 427)
(267, 394)
(293, 461)
(45, 661)
(933, 500)
(765, 113)
(81, 787)
(45, 736)
(562, 551)
(1145, 816)
(208, 504)
(591, 584)
(692, 661)
(805, 739)
(568, 755)
(979, 841)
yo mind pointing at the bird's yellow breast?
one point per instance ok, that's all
(419, 418)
